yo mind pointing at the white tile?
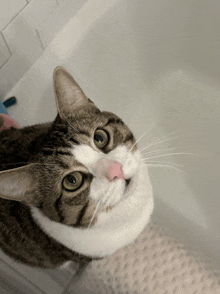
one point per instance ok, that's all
(34, 91)
(30, 32)
(4, 52)
(24, 42)
(12, 282)
(57, 16)
(50, 281)
(9, 9)
(21, 37)
(12, 71)
(38, 11)
(25, 46)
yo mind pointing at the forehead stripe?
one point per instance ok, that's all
(51, 151)
(74, 141)
(48, 151)
(62, 164)
(84, 132)
(57, 206)
(113, 120)
(81, 215)
(57, 152)
(129, 137)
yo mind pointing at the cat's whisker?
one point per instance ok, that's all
(159, 141)
(169, 154)
(147, 132)
(167, 166)
(93, 216)
(160, 150)
(156, 139)
(162, 162)
(138, 140)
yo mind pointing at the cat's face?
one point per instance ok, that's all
(87, 164)
(91, 163)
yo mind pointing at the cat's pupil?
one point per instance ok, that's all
(99, 138)
(71, 179)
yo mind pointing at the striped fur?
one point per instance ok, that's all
(34, 206)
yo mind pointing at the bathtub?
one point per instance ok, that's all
(156, 64)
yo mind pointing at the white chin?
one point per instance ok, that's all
(114, 229)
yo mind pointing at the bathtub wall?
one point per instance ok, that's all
(26, 29)
(156, 65)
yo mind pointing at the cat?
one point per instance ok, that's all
(74, 189)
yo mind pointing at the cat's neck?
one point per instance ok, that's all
(113, 230)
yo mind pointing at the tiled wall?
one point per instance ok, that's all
(26, 29)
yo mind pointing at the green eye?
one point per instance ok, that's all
(101, 138)
(73, 181)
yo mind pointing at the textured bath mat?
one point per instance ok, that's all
(155, 264)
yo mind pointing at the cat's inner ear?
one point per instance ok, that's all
(18, 184)
(69, 96)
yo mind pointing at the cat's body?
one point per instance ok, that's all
(20, 237)
(74, 189)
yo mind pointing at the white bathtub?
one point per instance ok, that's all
(157, 65)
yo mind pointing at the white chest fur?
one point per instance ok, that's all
(113, 230)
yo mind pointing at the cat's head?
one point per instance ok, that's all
(87, 163)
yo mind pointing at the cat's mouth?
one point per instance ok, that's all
(126, 193)
(112, 193)
(110, 202)
(127, 182)
(129, 185)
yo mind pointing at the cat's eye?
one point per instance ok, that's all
(73, 181)
(101, 138)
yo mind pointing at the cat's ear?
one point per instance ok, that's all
(69, 96)
(18, 184)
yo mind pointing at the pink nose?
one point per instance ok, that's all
(115, 172)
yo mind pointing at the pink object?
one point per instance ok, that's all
(115, 172)
(8, 122)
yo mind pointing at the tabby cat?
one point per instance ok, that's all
(75, 189)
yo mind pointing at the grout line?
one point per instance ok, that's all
(76, 277)
(3, 37)
(21, 275)
(39, 37)
(14, 17)
(5, 63)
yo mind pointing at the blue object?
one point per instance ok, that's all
(3, 108)
(9, 102)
